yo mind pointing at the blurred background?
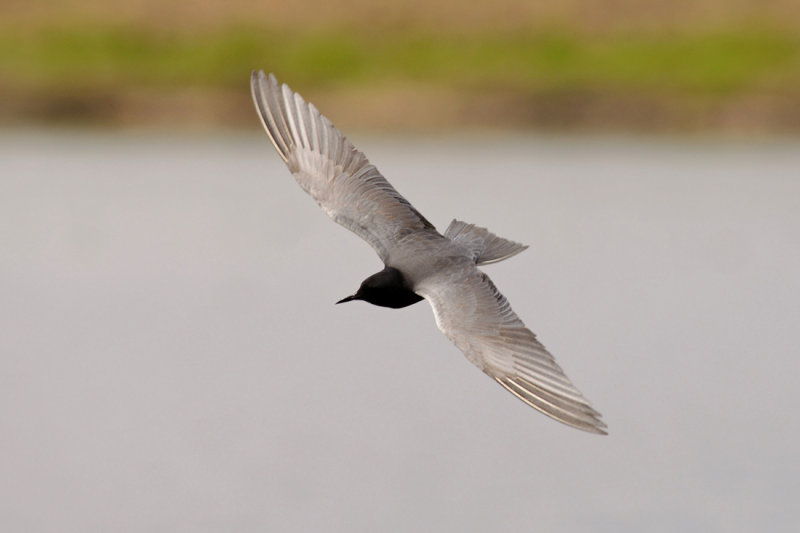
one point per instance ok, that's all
(170, 355)
(620, 65)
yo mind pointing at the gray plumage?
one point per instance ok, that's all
(420, 261)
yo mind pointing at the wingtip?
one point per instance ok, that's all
(258, 76)
(577, 415)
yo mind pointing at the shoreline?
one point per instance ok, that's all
(421, 109)
(732, 79)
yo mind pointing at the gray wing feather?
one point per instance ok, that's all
(329, 168)
(473, 314)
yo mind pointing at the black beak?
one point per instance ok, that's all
(348, 299)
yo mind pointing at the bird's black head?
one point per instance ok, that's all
(387, 288)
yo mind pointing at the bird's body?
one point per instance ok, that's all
(419, 261)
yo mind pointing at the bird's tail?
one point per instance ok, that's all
(486, 247)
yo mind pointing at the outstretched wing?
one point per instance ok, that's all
(479, 320)
(329, 168)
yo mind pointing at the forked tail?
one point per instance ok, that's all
(486, 247)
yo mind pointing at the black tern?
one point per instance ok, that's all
(420, 263)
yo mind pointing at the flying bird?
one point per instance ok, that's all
(419, 262)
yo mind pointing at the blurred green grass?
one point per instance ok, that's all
(715, 63)
(718, 61)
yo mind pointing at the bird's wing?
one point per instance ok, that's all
(479, 320)
(329, 168)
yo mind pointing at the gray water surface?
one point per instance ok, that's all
(171, 358)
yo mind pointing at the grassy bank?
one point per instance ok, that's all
(553, 77)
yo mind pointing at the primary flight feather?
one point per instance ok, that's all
(419, 261)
